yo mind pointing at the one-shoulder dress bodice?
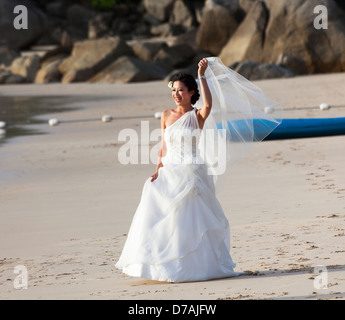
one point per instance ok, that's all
(182, 140)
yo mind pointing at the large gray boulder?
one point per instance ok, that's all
(18, 39)
(91, 56)
(275, 29)
(220, 21)
(290, 31)
(129, 69)
(248, 40)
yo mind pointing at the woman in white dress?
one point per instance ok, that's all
(179, 232)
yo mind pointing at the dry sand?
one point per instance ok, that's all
(66, 203)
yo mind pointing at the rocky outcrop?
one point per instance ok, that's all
(290, 31)
(262, 38)
(276, 29)
(91, 56)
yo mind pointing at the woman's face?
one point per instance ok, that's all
(181, 95)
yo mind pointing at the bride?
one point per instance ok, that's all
(179, 232)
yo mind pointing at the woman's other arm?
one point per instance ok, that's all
(162, 150)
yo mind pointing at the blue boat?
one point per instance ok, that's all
(306, 128)
(288, 129)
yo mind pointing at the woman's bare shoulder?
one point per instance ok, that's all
(164, 116)
(167, 112)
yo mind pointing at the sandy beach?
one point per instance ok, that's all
(66, 202)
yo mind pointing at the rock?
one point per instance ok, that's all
(220, 21)
(4, 74)
(286, 35)
(15, 79)
(341, 4)
(78, 18)
(253, 70)
(198, 10)
(26, 67)
(189, 38)
(167, 30)
(295, 64)
(49, 73)
(56, 8)
(129, 69)
(54, 122)
(246, 5)
(99, 25)
(324, 106)
(269, 109)
(106, 118)
(65, 39)
(7, 55)
(91, 56)
(159, 9)
(151, 20)
(147, 50)
(290, 31)
(182, 14)
(248, 39)
(141, 31)
(7, 77)
(58, 53)
(176, 56)
(157, 115)
(18, 39)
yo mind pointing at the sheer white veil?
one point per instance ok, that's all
(241, 115)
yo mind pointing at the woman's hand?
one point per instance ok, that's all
(154, 176)
(203, 63)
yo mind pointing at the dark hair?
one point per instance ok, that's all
(189, 81)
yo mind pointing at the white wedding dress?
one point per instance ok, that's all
(179, 232)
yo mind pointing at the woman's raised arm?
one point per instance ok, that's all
(205, 91)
